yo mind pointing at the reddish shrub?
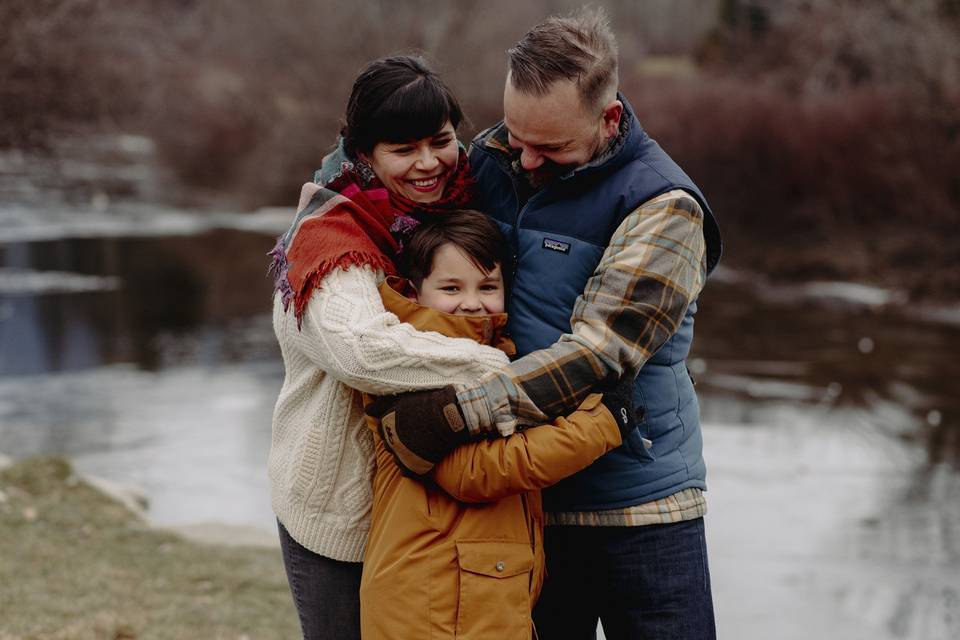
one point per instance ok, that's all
(847, 184)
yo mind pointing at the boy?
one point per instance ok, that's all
(436, 567)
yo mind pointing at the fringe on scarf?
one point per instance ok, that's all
(279, 269)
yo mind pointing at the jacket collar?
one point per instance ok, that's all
(488, 329)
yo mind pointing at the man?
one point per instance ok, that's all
(612, 243)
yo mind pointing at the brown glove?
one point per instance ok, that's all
(420, 428)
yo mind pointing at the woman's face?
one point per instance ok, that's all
(419, 169)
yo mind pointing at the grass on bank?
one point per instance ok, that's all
(76, 564)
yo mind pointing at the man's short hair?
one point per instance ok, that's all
(474, 233)
(580, 47)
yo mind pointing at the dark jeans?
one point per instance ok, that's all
(326, 592)
(643, 583)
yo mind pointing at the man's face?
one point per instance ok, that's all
(556, 132)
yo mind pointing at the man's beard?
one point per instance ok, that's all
(550, 170)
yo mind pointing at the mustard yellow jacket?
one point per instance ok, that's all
(460, 555)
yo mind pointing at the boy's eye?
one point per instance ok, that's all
(490, 287)
(450, 288)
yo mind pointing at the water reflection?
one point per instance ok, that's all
(202, 299)
(194, 438)
(832, 445)
(168, 286)
(76, 304)
(149, 361)
(898, 370)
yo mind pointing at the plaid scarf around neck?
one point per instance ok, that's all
(352, 221)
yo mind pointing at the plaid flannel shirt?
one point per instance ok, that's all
(686, 504)
(652, 269)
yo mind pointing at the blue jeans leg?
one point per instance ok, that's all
(659, 583)
(644, 583)
(325, 592)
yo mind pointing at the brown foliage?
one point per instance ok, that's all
(819, 47)
(825, 132)
(243, 100)
(828, 134)
(71, 64)
(859, 184)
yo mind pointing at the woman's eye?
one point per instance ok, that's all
(402, 150)
(442, 142)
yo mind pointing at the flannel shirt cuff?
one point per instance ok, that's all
(487, 404)
(473, 406)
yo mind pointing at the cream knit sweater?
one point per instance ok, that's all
(321, 455)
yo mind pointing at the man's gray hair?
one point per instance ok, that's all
(580, 47)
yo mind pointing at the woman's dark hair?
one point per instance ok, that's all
(472, 232)
(397, 99)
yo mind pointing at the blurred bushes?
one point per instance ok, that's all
(75, 65)
(261, 103)
(827, 137)
(243, 100)
(825, 132)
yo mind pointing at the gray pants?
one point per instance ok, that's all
(326, 592)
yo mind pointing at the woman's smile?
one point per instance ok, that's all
(426, 185)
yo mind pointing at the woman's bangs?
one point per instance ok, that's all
(417, 111)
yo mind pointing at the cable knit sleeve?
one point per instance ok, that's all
(347, 333)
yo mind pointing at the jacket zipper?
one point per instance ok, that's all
(516, 198)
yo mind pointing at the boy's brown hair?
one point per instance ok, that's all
(472, 232)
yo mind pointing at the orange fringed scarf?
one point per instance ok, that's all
(353, 220)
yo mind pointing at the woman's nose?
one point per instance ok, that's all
(427, 160)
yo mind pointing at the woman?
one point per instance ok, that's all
(398, 153)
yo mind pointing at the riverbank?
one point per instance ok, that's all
(819, 525)
(79, 564)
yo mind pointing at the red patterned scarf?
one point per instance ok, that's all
(352, 221)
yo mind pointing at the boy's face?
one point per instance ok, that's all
(457, 286)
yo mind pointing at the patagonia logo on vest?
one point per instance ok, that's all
(556, 245)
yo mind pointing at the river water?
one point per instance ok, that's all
(137, 341)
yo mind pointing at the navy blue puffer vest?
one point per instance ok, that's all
(558, 238)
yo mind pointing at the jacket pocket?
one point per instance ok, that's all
(638, 442)
(494, 597)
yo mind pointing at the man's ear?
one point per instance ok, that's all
(611, 118)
